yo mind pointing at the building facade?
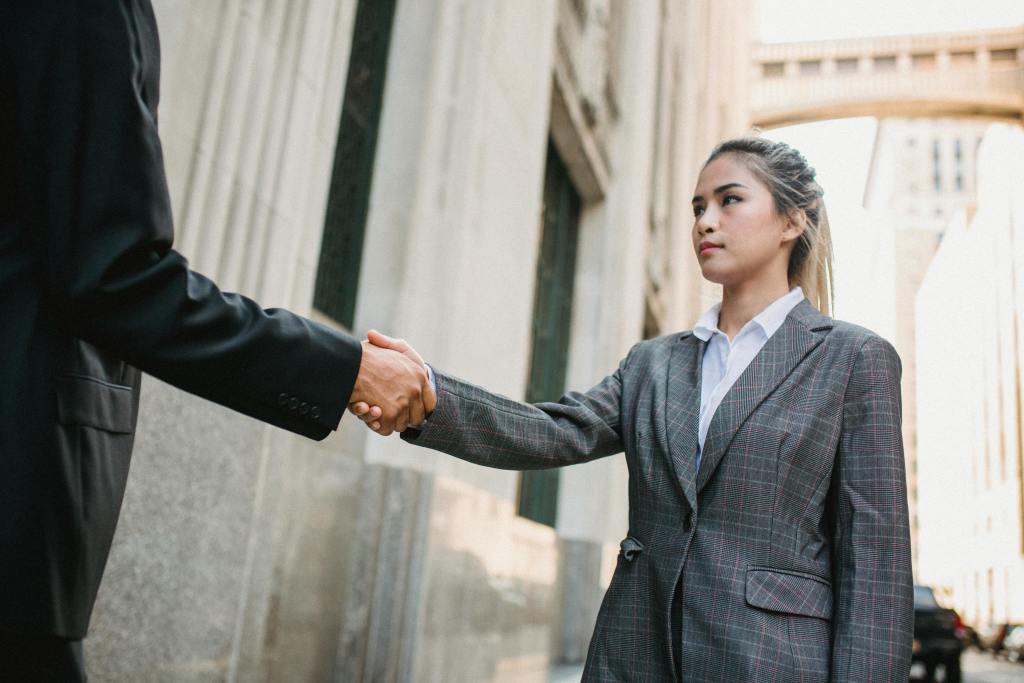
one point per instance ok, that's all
(977, 73)
(504, 184)
(969, 413)
(923, 174)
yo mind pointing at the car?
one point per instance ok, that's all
(971, 638)
(938, 636)
(1013, 644)
(993, 637)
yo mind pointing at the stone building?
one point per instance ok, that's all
(923, 174)
(505, 184)
(969, 418)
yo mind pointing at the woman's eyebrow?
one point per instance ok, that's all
(719, 190)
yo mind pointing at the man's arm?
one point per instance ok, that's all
(873, 617)
(95, 203)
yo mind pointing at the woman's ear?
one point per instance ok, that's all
(796, 223)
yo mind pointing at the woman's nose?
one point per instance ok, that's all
(707, 221)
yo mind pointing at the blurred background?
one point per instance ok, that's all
(506, 183)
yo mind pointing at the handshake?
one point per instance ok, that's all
(392, 391)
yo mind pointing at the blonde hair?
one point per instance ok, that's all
(796, 193)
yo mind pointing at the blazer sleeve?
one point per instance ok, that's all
(474, 424)
(873, 620)
(95, 201)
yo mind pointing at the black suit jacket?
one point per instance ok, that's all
(91, 292)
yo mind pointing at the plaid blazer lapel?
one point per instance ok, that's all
(682, 412)
(790, 344)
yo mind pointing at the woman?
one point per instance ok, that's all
(768, 529)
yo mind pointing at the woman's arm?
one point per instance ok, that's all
(873, 617)
(474, 424)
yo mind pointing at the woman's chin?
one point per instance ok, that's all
(714, 275)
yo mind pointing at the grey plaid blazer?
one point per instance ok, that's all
(786, 557)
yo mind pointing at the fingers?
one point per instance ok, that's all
(400, 345)
(386, 342)
(368, 414)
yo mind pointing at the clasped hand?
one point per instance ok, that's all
(392, 391)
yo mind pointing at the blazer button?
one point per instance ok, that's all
(303, 407)
(314, 412)
(282, 399)
(688, 522)
(293, 403)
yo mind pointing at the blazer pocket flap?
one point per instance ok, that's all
(95, 403)
(789, 592)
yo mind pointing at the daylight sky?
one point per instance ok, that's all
(789, 20)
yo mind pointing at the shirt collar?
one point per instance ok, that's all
(707, 325)
(769, 320)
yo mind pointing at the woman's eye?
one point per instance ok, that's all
(729, 199)
(697, 211)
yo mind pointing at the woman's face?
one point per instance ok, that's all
(737, 234)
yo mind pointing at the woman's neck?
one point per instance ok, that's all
(740, 303)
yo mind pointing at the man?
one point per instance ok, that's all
(91, 292)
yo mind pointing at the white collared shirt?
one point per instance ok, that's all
(725, 361)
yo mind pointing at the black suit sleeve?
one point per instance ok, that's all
(91, 176)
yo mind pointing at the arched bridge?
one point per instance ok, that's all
(975, 74)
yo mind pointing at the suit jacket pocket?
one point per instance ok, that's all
(93, 402)
(790, 592)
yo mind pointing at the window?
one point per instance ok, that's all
(962, 58)
(348, 197)
(924, 597)
(810, 67)
(847, 65)
(937, 165)
(924, 60)
(1005, 55)
(958, 160)
(885, 63)
(773, 69)
(552, 314)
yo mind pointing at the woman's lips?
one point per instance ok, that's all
(707, 248)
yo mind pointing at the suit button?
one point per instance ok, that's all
(282, 399)
(688, 522)
(303, 407)
(314, 412)
(293, 403)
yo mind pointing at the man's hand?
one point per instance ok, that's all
(394, 382)
(370, 412)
